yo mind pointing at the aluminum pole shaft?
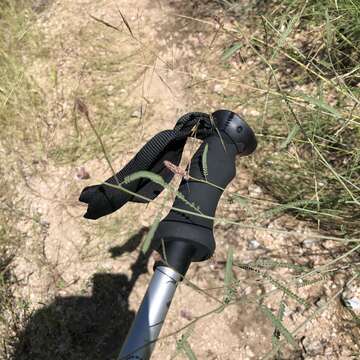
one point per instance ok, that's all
(147, 324)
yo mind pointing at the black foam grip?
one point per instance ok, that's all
(193, 229)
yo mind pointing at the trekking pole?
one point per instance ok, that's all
(185, 235)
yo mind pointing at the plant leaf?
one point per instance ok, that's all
(279, 325)
(293, 132)
(188, 351)
(228, 53)
(321, 104)
(276, 335)
(183, 345)
(290, 205)
(229, 275)
(149, 236)
(284, 35)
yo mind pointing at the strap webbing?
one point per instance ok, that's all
(166, 145)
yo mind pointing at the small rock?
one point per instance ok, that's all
(186, 314)
(81, 173)
(353, 303)
(247, 290)
(254, 190)
(248, 351)
(312, 346)
(253, 112)
(214, 265)
(308, 242)
(253, 245)
(218, 88)
(319, 302)
(136, 114)
(350, 297)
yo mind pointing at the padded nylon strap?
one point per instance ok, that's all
(166, 145)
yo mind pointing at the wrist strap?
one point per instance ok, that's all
(166, 145)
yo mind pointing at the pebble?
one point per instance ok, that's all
(309, 242)
(254, 190)
(353, 303)
(248, 351)
(313, 346)
(136, 114)
(186, 314)
(253, 112)
(253, 244)
(320, 302)
(247, 290)
(350, 297)
(81, 173)
(218, 88)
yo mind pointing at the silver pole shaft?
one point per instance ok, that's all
(147, 324)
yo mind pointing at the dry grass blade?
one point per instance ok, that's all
(126, 23)
(80, 106)
(104, 23)
(177, 170)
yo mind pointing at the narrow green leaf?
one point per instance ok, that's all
(149, 236)
(188, 351)
(244, 202)
(293, 132)
(54, 76)
(284, 35)
(183, 345)
(321, 104)
(228, 269)
(229, 275)
(204, 161)
(276, 335)
(231, 51)
(291, 205)
(279, 325)
(281, 311)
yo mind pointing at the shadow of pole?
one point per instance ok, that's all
(80, 327)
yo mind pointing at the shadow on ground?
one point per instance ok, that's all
(83, 327)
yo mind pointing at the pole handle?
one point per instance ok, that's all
(211, 170)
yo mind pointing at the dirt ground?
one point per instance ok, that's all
(84, 279)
